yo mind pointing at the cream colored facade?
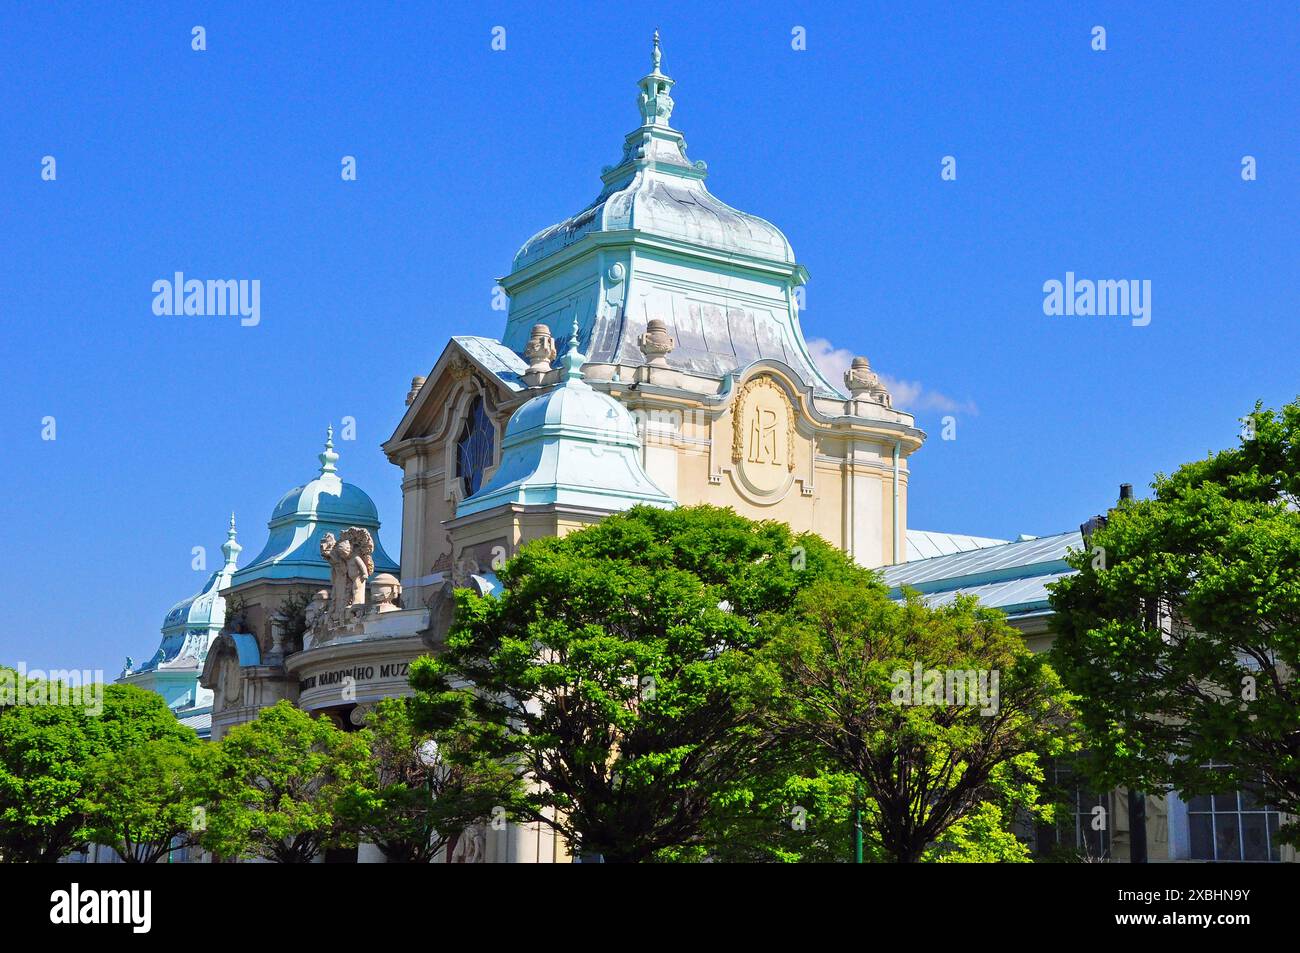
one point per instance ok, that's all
(760, 442)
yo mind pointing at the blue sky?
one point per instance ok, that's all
(1122, 164)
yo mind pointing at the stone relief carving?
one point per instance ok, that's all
(753, 434)
(459, 368)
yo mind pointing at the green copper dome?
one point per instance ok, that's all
(656, 189)
(304, 515)
(655, 244)
(571, 446)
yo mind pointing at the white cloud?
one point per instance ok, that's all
(908, 395)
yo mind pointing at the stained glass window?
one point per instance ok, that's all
(474, 448)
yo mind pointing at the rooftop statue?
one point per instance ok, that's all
(350, 566)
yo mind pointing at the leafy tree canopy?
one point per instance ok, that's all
(936, 713)
(1181, 630)
(425, 787)
(614, 668)
(45, 750)
(273, 786)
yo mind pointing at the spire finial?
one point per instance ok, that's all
(573, 359)
(655, 101)
(327, 456)
(230, 548)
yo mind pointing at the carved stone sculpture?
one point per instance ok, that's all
(864, 384)
(471, 846)
(350, 566)
(416, 384)
(540, 350)
(656, 344)
(384, 592)
(315, 615)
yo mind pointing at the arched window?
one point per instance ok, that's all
(474, 448)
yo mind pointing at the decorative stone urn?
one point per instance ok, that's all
(416, 383)
(384, 592)
(656, 344)
(540, 350)
(864, 384)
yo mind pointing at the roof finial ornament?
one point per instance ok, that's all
(573, 359)
(230, 548)
(327, 456)
(655, 103)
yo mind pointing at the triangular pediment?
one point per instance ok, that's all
(486, 360)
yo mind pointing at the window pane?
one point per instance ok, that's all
(1093, 841)
(1227, 837)
(1254, 837)
(1274, 851)
(1225, 802)
(1199, 803)
(474, 450)
(1202, 832)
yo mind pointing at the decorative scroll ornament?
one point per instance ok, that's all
(459, 368)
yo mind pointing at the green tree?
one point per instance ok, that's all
(45, 749)
(273, 786)
(141, 800)
(426, 787)
(1181, 630)
(613, 671)
(863, 681)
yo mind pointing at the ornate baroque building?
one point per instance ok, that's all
(652, 354)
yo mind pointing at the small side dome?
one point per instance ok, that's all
(304, 515)
(571, 446)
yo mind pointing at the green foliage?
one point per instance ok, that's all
(141, 800)
(833, 673)
(424, 789)
(274, 786)
(45, 751)
(292, 617)
(1183, 639)
(614, 670)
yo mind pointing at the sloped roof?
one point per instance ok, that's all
(495, 358)
(924, 544)
(1012, 577)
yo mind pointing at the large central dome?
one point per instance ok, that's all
(657, 190)
(655, 244)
